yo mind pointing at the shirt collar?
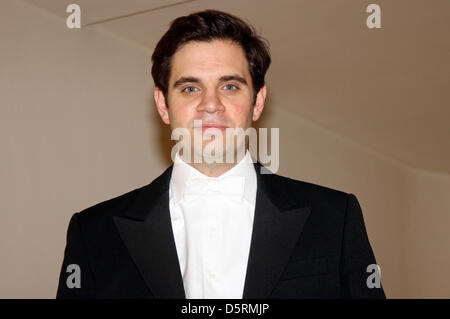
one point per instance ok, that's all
(182, 171)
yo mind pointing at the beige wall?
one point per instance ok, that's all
(75, 129)
(426, 234)
(78, 127)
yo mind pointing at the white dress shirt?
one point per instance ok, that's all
(213, 228)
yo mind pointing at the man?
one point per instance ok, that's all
(217, 229)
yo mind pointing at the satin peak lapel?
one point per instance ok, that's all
(147, 233)
(278, 223)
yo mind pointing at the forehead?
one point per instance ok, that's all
(209, 60)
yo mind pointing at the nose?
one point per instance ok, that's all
(210, 102)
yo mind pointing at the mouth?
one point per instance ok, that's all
(211, 126)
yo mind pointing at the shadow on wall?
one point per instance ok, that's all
(164, 142)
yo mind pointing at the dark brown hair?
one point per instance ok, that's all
(206, 26)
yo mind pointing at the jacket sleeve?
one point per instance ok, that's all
(357, 281)
(76, 279)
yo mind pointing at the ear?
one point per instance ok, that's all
(259, 104)
(160, 102)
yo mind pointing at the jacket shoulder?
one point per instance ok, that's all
(115, 206)
(119, 205)
(315, 194)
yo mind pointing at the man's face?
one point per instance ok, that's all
(210, 82)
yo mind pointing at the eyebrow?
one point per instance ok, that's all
(185, 79)
(233, 77)
(191, 79)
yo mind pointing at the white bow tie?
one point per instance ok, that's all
(231, 187)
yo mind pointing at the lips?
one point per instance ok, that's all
(212, 125)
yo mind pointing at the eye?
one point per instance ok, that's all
(190, 89)
(230, 87)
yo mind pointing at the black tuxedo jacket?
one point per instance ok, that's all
(308, 241)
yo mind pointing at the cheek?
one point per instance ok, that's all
(240, 113)
(180, 113)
